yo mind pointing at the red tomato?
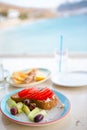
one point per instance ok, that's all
(23, 92)
(36, 94)
(46, 95)
(30, 92)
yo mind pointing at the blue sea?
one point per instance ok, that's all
(43, 36)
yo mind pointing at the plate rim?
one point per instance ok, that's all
(30, 84)
(32, 123)
(70, 86)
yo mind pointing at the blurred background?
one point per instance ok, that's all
(34, 27)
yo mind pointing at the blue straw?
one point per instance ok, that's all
(60, 53)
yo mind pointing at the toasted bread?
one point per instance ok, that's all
(43, 104)
(47, 104)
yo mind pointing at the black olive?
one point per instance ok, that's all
(38, 118)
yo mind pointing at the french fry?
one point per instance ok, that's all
(28, 76)
(19, 76)
(17, 81)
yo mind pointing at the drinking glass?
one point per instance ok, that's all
(61, 61)
(1, 72)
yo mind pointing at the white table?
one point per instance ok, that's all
(76, 119)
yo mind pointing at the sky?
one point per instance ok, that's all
(38, 3)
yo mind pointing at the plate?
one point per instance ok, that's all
(46, 72)
(70, 79)
(53, 115)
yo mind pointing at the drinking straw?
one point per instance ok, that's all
(60, 52)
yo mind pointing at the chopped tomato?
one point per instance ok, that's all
(43, 94)
(30, 92)
(23, 92)
(36, 94)
(46, 95)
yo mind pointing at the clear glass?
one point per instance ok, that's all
(1, 72)
(61, 61)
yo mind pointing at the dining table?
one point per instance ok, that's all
(76, 118)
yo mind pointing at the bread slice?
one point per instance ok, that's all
(43, 104)
(47, 104)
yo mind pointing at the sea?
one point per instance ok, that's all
(43, 36)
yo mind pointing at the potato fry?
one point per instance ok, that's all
(28, 76)
(19, 76)
(17, 81)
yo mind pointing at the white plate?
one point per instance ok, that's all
(46, 72)
(70, 79)
(53, 115)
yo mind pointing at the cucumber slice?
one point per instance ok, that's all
(19, 107)
(33, 113)
(11, 103)
(26, 110)
(43, 112)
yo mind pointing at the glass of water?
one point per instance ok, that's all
(1, 72)
(61, 61)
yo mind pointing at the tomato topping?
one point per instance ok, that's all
(23, 92)
(45, 95)
(31, 92)
(36, 94)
